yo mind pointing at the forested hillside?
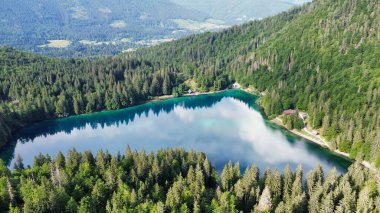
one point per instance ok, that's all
(177, 181)
(35, 88)
(88, 28)
(81, 28)
(321, 58)
(329, 67)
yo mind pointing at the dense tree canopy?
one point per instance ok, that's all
(34, 88)
(177, 181)
(322, 58)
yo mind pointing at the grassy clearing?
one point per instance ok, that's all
(118, 24)
(198, 26)
(57, 44)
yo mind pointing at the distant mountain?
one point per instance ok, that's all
(238, 11)
(82, 23)
(75, 28)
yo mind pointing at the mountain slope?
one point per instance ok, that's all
(323, 61)
(30, 24)
(329, 67)
(87, 28)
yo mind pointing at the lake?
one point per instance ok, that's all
(226, 126)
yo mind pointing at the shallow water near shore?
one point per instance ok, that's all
(227, 126)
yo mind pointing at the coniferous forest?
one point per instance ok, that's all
(321, 58)
(174, 180)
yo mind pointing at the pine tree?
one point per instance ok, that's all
(265, 202)
(18, 162)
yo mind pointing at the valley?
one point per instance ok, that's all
(102, 112)
(31, 26)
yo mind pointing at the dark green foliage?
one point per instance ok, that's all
(321, 58)
(294, 121)
(177, 181)
(5, 131)
(35, 88)
(345, 146)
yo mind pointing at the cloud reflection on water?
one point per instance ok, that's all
(228, 129)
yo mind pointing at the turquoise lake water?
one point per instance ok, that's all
(226, 126)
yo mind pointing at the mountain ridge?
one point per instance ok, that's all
(84, 28)
(240, 11)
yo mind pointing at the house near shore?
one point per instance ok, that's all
(301, 115)
(236, 85)
(289, 112)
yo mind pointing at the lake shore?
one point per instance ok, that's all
(305, 133)
(317, 139)
(165, 97)
(154, 99)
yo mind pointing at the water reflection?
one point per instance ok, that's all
(226, 126)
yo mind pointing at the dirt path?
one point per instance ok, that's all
(317, 139)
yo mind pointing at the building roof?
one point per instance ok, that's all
(289, 112)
